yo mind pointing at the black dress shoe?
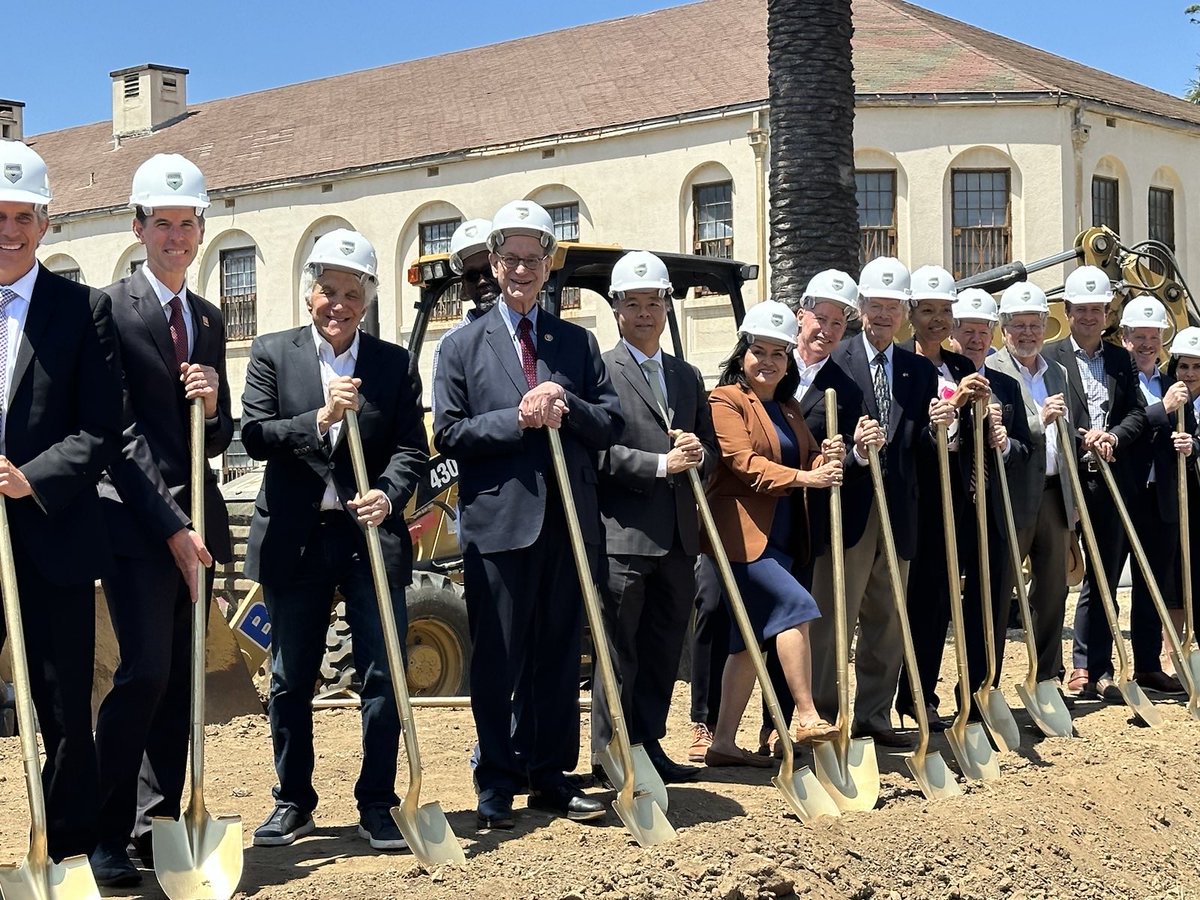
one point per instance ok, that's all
(112, 868)
(670, 771)
(600, 778)
(495, 811)
(936, 723)
(884, 737)
(565, 800)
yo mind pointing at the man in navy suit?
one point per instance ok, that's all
(899, 390)
(306, 537)
(60, 425)
(501, 380)
(172, 351)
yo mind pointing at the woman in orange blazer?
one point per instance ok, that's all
(767, 454)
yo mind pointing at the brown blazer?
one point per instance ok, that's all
(750, 480)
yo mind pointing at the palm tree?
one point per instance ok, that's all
(814, 213)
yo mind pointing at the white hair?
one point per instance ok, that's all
(1007, 317)
(308, 280)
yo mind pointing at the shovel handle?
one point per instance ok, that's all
(1185, 543)
(195, 809)
(841, 629)
(983, 560)
(954, 582)
(387, 618)
(1014, 559)
(38, 854)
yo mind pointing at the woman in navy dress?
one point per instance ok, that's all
(768, 458)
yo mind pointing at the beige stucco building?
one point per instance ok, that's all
(971, 150)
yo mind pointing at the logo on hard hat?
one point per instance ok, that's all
(1194, 340)
(174, 180)
(1028, 295)
(1090, 285)
(934, 281)
(976, 303)
(776, 320)
(13, 172)
(639, 270)
(347, 247)
(838, 284)
(888, 278)
(471, 230)
(522, 212)
(1148, 311)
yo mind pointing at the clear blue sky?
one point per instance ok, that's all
(236, 47)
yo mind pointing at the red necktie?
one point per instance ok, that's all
(528, 351)
(178, 331)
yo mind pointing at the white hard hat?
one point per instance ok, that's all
(932, 283)
(23, 177)
(1144, 311)
(522, 217)
(169, 180)
(884, 276)
(344, 249)
(639, 270)
(772, 321)
(1088, 284)
(1023, 297)
(833, 285)
(468, 239)
(975, 304)
(1187, 342)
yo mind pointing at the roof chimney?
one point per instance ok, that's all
(147, 97)
(12, 120)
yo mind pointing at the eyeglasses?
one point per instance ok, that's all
(515, 262)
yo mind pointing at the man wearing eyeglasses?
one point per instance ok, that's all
(502, 379)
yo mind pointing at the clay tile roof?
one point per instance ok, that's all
(703, 56)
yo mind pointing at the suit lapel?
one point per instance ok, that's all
(145, 303)
(547, 345)
(632, 373)
(901, 385)
(502, 345)
(1077, 405)
(764, 421)
(860, 371)
(307, 369)
(41, 311)
(202, 328)
(1004, 362)
(673, 375)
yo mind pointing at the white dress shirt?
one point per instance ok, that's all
(16, 313)
(890, 371)
(332, 366)
(1035, 383)
(164, 295)
(808, 374)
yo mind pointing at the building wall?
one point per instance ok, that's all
(635, 189)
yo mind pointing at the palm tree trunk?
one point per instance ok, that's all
(814, 213)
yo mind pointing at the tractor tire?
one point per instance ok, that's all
(439, 639)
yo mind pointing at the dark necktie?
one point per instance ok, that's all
(883, 391)
(7, 296)
(178, 331)
(528, 351)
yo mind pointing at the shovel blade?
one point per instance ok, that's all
(856, 787)
(975, 754)
(804, 794)
(1192, 660)
(428, 834)
(1137, 701)
(646, 779)
(70, 879)
(999, 719)
(644, 819)
(933, 776)
(1047, 709)
(200, 863)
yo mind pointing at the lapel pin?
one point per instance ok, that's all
(547, 337)
(204, 321)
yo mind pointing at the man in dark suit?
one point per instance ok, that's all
(649, 510)
(306, 538)
(501, 379)
(1042, 504)
(898, 389)
(1106, 407)
(172, 346)
(60, 425)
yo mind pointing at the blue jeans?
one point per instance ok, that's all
(334, 558)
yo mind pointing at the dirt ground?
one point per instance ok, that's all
(1111, 813)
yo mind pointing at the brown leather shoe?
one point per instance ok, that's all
(1078, 681)
(884, 737)
(701, 741)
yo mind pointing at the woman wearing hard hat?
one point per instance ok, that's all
(1184, 366)
(767, 455)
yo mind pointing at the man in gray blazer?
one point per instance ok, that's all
(1043, 508)
(648, 509)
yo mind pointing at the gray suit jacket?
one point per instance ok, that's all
(1027, 480)
(642, 513)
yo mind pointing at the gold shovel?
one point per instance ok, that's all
(847, 767)
(1182, 669)
(996, 714)
(637, 808)
(801, 789)
(1134, 698)
(424, 827)
(1042, 700)
(1190, 657)
(929, 769)
(198, 856)
(968, 740)
(37, 877)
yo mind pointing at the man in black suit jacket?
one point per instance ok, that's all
(306, 538)
(60, 425)
(1105, 405)
(898, 389)
(501, 380)
(649, 510)
(172, 346)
